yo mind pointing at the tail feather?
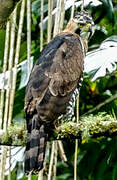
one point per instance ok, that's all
(35, 147)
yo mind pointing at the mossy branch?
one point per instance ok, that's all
(101, 125)
(15, 135)
(88, 127)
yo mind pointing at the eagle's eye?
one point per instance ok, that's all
(87, 28)
(80, 25)
(88, 25)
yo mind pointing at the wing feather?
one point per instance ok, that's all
(58, 69)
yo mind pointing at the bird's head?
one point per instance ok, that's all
(84, 25)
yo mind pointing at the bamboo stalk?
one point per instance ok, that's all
(14, 77)
(55, 32)
(51, 160)
(55, 162)
(82, 6)
(5, 123)
(11, 54)
(58, 28)
(11, 100)
(75, 159)
(72, 9)
(49, 31)
(16, 60)
(28, 35)
(9, 156)
(5, 62)
(41, 25)
(40, 175)
(76, 142)
(62, 14)
(3, 160)
(61, 151)
(11, 91)
(29, 176)
(57, 18)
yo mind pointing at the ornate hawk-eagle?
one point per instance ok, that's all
(52, 84)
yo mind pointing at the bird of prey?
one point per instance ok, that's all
(53, 82)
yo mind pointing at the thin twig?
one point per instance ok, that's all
(28, 35)
(40, 175)
(76, 141)
(41, 25)
(96, 108)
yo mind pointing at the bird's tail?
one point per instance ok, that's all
(35, 147)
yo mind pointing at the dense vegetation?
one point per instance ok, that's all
(97, 160)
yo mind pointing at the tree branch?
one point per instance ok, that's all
(112, 98)
(88, 127)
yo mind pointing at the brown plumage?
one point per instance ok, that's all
(52, 82)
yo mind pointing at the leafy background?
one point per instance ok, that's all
(97, 160)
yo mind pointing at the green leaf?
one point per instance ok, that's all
(114, 173)
(64, 176)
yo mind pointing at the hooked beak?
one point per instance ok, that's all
(92, 30)
(89, 28)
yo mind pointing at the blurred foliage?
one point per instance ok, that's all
(96, 160)
(97, 92)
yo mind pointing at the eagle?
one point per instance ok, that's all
(52, 84)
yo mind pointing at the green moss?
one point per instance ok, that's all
(88, 127)
(15, 135)
(67, 129)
